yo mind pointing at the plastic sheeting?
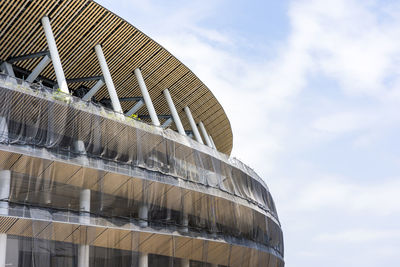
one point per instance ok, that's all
(26, 251)
(37, 117)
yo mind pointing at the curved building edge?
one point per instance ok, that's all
(83, 185)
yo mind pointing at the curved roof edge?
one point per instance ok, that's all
(78, 26)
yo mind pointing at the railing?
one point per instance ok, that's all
(43, 117)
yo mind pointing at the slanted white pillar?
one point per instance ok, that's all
(212, 142)
(135, 108)
(174, 113)
(38, 69)
(167, 123)
(146, 98)
(205, 134)
(185, 263)
(107, 79)
(5, 181)
(93, 90)
(84, 218)
(143, 259)
(8, 69)
(55, 57)
(193, 125)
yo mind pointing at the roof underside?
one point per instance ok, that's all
(78, 26)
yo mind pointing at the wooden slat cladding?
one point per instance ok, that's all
(79, 25)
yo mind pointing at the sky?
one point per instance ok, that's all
(312, 91)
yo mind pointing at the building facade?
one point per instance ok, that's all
(114, 153)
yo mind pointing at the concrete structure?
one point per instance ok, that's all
(104, 171)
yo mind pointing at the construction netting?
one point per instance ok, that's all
(57, 145)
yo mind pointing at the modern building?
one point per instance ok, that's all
(114, 153)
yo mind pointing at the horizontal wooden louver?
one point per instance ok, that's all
(81, 24)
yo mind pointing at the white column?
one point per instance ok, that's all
(185, 216)
(93, 90)
(55, 57)
(38, 69)
(174, 113)
(135, 108)
(185, 263)
(84, 206)
(84, 218)
(193, 125)
(108, 80)
(143, 215)
(83, 256)
(205, 134)
(3, 130)
(146, 97)
(79, 147)
(185, 222)
(3, 249)
(5, 181)
(143, 259)
(212, 142)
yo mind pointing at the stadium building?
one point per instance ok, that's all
(114, 153)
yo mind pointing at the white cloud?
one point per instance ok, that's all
(327, 193)
(336, 74)
(359, 236)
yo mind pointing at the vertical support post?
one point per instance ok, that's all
(135, 108)
(93, 90)
(146, 98)
(143, 215)
(185, 263)
(38, 69)
(84, 205)
(107, 79)
(55, 57)
(3, 130)
(79, 147)
(3, 249)
(5, 182)
(205, 134)
(143, 259)
(144, 206)
(193, 125)
(174, 113)
(185, 216)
